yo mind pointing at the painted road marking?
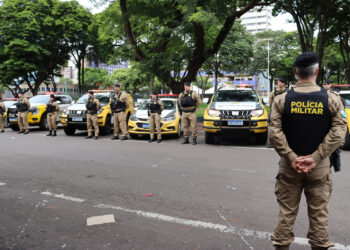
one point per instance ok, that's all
(2, 184)
(193, 223)
(98, 220)
(62, 196)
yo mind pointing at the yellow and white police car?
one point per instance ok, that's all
(345, 94)
(235, 111)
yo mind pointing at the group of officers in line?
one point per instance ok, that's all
(188, 101)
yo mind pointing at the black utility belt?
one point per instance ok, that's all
(188, 111)
(22, 111)
(118, 111)
(92, 113)
(52, 112)
(155, 113)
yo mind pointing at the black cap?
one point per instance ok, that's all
(154, 92)
(91, 92)
(306, 59)
(282, 80)
(117, 85)
(187, 83)
(21, 92)
(52, 96)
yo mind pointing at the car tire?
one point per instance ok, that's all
(43, 122)
(179, 132)
(346, 143)
(261, 138)
(134, 136)
(14, 127)
(69, 130)
(209, 138)
(107, 128)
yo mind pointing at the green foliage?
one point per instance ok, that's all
(94, 78)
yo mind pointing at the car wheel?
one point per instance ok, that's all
(14, 127)
(346, 143)
(43, 123)
(209, 138)
(178, 135)
(106, 129)
(69, 130)
(261, 138)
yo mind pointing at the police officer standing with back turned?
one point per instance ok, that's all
(2, 112)
(155, 110)
(119, 105)
(52, 110)
(189, 101)
(307, 125)
(92, 106)
(22, 108)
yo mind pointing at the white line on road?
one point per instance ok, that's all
(239, 147)
(62, 196)
(193, 223)
(2, 184)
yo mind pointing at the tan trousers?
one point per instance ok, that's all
(23, 121)
(2, 126)
(189, 120)
(51, 120)
(317, 188)
(92, 124)
(155, 122)
(120, 124)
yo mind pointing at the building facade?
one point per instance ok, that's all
(257, 20)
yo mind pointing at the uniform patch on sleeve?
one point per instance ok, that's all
(343, 114)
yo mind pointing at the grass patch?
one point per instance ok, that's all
(201, 109)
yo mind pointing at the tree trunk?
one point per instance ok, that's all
(79, 75)
(82, 72)
(216, 72)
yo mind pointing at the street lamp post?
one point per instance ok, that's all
(268, 68)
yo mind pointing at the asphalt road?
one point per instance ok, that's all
(200, 197)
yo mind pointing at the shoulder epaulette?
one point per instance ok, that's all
(334, 92)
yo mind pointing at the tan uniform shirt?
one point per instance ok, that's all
(25, 101)
(2, 106)
(97, 102)
(56, 106)
(194, 96)
(331, 142)
(123, 98)
(273, 94)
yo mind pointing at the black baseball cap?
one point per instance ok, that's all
(328, 82)
(306, 59)
(117, 85)
(91, 92)
(154, 92)
(52, 96)
(282, 80)
(21, 92)
(187, 83)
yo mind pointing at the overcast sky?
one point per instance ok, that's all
(278, 23)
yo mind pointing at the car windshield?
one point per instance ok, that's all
(104, 99)
(9, 103)
(168, 105)
(346, 98)
(235, 96)
(40, 99)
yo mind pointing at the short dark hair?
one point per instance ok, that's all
(91, 92)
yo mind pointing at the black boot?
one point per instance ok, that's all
(88, 137)
(96, 137)
(124, 138)
(20, 132)
(159, 141)
(194, 142)
(151, 140)
(115, 137)
(25, 133)
(54, 133)
(2, 131)
(50, 133)
(186, 141)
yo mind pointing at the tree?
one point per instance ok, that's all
(234, 55)
(183, 35)
(311, 17)
(96, 78)
(32, 43)
(202, 82)
(284, 48)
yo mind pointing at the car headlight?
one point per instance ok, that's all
(257, 112)
(168, 118)
(133, 117)
(213, 112)
(100, 111)
(65, 112)
(34, 111)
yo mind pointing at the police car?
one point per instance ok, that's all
(345, 94)
(170, 118)
(235, 111)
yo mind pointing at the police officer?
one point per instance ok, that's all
(155, 109)
(92, 106)
(2, 112)
(189, 101)
(22, 108)
(307, 125)
(327, 85)
(119, 104)
(281, 88)
(52, 110)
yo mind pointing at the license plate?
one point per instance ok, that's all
(77, 119)
(235, 123)
(145, 126)
(13, 119)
